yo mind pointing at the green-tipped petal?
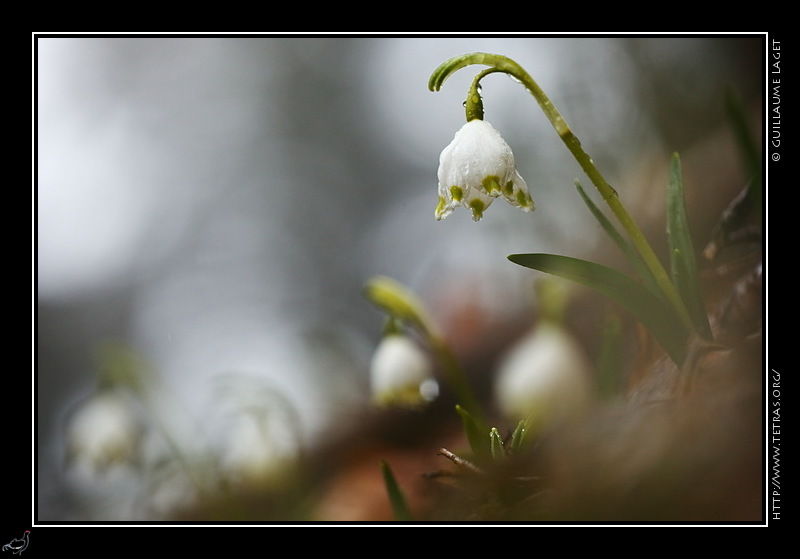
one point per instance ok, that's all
(477, 167)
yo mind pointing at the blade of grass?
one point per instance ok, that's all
(609, 360)
(684, 266)
(661, 320)
(751, 154)
(517, 437)
(639, 265)
(496, 447)
(748, 204)
(396, 497)
(475, 435)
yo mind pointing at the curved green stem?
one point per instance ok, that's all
(457, 379)
(473, 105)
(499, 63)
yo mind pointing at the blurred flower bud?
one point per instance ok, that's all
(251, 453)
(103, 432)
(401, 373)
(545, 378)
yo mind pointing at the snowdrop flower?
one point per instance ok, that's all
(102, 433)
(251, 451)
(545, 378)
(477, 167)
(401, 374)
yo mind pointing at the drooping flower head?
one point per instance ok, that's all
(103, 432)
(545, 378)
(477, 167)
(401, 373)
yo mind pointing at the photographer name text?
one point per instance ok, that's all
(775, 98)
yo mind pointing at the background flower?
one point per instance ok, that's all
(545, 377)
(103, 433)
(401, 373)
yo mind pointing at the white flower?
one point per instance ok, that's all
(401, 373)
(545, 378)
(251, 449)
(102, 433)
(476, 168)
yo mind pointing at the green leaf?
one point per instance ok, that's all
(747, 205)
(496, 444)
(633, 256)
(518, 436)
(396, 497)
(609, 359)
(751, 151)
(475, 435)
(662, 321)
(684, 267)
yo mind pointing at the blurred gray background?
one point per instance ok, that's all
(216, 204)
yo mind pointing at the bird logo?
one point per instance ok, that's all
(17, 545)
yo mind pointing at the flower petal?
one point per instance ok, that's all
(544, 378)
(476, 167)
(400, 373)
